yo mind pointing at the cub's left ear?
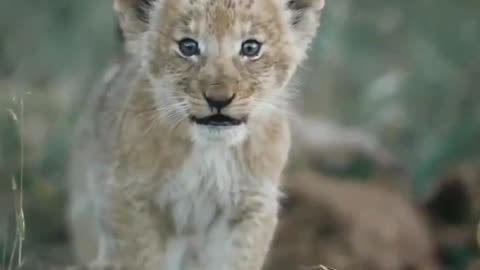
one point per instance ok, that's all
(305, 19)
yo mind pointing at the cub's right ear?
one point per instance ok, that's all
(134, 16)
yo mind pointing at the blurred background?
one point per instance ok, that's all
(385, 173)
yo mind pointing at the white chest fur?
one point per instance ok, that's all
(201, 198)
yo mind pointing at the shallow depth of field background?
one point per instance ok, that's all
(405, 72)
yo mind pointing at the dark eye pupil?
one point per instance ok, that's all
(188, 47)
(251, 48)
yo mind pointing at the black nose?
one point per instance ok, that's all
(218, 103)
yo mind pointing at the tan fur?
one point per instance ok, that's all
(346, 225)
(169, 194)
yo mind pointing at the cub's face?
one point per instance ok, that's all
(220, 65)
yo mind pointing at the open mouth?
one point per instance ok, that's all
(217, 120)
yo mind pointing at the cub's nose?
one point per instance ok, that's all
(218, 103)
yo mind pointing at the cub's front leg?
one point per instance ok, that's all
(253, 230)
(255, 221)
(135, 232)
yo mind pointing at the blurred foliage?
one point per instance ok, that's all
(404, 70)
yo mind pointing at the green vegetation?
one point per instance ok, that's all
(403, 70)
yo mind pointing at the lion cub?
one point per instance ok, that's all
(179, 166)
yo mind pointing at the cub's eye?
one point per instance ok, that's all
(188, 47)
(251, 48)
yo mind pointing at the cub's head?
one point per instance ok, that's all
(220, 65)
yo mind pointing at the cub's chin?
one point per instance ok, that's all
(218, 130)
